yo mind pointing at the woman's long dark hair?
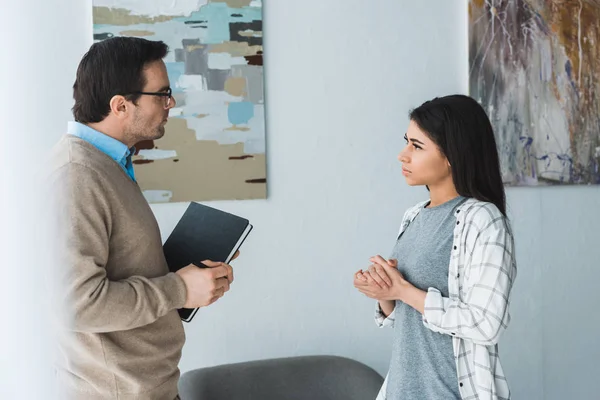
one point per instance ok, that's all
(463, 132)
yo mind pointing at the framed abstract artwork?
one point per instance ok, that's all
(534, 65)
(214, 145)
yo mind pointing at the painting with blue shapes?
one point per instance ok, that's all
(214, 146)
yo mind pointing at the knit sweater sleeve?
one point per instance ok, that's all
(90, 301)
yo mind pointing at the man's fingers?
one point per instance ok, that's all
(211, 264)
(229, 273)
(222, 271)
(222, 283)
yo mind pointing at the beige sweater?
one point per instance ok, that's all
(119, 336)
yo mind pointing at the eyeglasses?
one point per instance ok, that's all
(168, 95)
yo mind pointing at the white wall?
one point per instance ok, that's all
(341, 76)
(551, 349)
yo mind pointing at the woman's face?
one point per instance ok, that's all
(422, 161)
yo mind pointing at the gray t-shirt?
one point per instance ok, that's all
(422, 364)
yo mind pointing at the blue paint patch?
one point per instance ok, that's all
(528, 140)
(218, 17)
(174, 71)
(569, 69)
(240, 113)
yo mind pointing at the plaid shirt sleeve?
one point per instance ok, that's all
(381, 320)
(481, 314)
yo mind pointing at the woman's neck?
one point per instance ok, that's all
(441, 193)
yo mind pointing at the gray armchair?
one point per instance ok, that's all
(295, 378)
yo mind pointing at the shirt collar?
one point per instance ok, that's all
(115, 149)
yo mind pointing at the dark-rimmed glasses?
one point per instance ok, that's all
(168, 95)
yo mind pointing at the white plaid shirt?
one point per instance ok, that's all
(481, 274)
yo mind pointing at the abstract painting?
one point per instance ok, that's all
(534, 65)
(214, 145)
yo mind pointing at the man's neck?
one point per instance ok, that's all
(109, 131)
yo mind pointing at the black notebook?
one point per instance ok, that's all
(204, 233)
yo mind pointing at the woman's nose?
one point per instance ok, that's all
(402, 156)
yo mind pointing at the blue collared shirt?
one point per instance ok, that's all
(116, 150)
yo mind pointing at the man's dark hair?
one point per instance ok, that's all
(112, 67)
(463, 132)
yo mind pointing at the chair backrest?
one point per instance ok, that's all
(295, 378)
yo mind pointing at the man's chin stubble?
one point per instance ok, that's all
(159, 133)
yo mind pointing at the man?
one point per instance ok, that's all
(120, 335)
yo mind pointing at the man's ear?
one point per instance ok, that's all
(119, 106)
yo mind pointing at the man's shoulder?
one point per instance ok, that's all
(73, 155)
(71, 150)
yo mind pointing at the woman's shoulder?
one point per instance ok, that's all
(477, 212)
(482, 213)
(418, 206)
(414, 210)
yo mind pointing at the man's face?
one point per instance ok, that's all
(150, 115)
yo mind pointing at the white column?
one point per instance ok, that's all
(41, 45)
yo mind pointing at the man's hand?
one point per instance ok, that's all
(205, 285)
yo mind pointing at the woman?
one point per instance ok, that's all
(447, 285)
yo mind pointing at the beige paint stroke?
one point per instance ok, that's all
(251, 33)
(123, 17)
(237, 128)
(235, 86)
(136, 33)
(193, 47)
(233, 3)
(236, 49)
(203, 171)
